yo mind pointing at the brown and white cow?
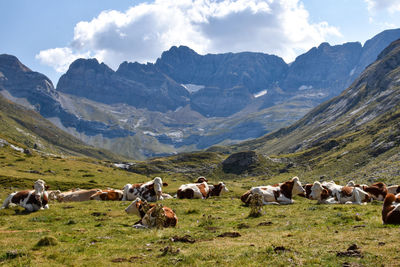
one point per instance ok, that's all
(197, 190)
(77, 195)
(322, 194)
(377, 191)
(276, 194)
(108, 194)
(393, 189)
(148, 219)
(31, 200)
(150, 191)
(217, 189)
(391, 209)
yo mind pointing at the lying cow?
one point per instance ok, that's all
(275, 194)
(393, 189)
(322, 194)
(108, 194)
(217, 189)
(78, 195)
(148, 219)
(150, 191)
(31, 200)
(197, 190)
(377, 191)
(391, 209)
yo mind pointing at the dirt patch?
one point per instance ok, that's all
(264, 224)
(131, 259)
(184, 239)
(169, 250)
(359, 226)
(97, 214)
(211, 228)
(68, 207)
(352, 251)
(230, 234)
(243, 226)
(280, 249)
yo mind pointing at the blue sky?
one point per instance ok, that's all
(47, 35)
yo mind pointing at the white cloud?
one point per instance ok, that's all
(378, 5)
(280, 27)
(60, 58)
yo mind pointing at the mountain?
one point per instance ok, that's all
(186, 101)
(26, 128)
(359, 130)
(138, 85)
(35, 91)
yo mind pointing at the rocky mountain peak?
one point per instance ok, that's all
(11, 63)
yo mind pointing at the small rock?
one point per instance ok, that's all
(230, 234)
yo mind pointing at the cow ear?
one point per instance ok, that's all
(33, 187)
(46, 187)
(165, 184)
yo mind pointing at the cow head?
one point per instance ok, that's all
(351, 183)
(201, 179)
(134, 207)
(40, 188)
(297, 187)
(223, 187)
(316, 191)
(158, 184)
(53, 195)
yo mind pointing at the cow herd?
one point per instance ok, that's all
(151, 191)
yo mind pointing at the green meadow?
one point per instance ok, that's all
(216, 231)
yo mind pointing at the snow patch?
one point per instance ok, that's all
(261, 93)
(352, 71)
(150, 133)
(192, 88)
(137, 124)
(176, 134)
(305, 87)
(16, 148)
(178, 108)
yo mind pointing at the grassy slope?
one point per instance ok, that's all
(23, 126)
(312, 234)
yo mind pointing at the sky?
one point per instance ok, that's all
(47, 35)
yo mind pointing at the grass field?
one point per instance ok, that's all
(101, 233)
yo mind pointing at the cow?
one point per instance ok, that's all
(391, 209)
(393, 189)
(322, 194)
(77, 195)
(197, 190)
(150, 191)
(377, 191)
(108, 194)
(217, 189)
(148, 218)
(31, 200)
(275, 194)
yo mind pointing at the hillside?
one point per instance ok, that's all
(30, 130)
(358, 130)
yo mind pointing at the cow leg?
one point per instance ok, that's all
(7, 201)
(284, 200)
(269, 203)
